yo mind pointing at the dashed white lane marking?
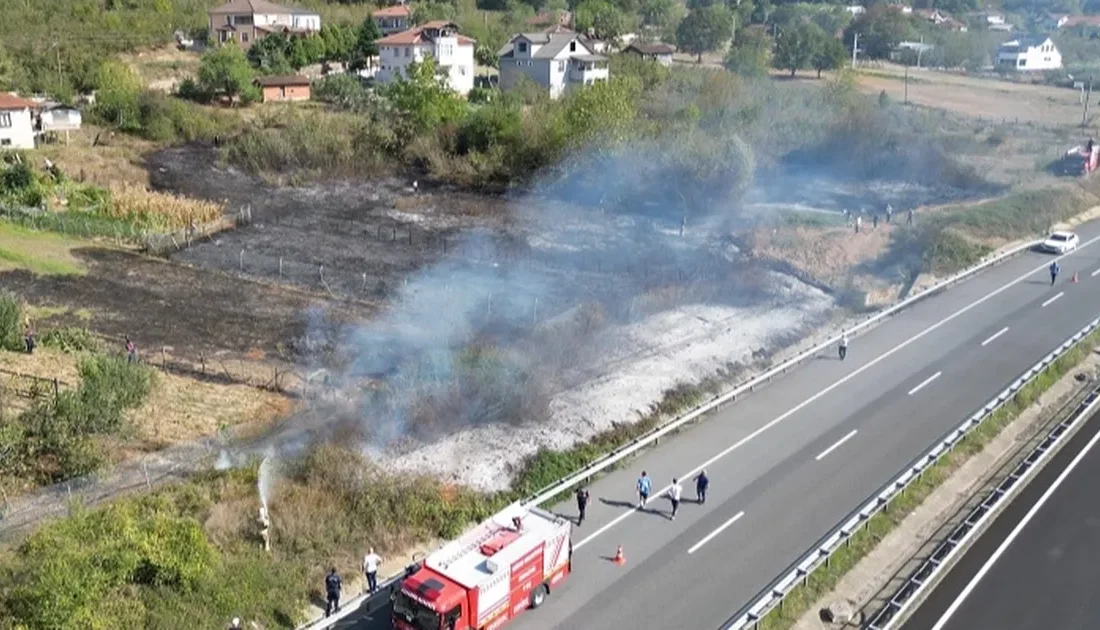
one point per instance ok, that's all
(720, 529)
(924, 382)
(836, 445)
(1051, 300)
(995, 335)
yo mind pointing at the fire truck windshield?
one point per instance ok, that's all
(413, 612)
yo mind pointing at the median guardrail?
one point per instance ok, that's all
(819, 554)
(608, 460)
(944, 555)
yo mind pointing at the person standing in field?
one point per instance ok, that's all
(131, 351)
(644, 486)
(675, 492)
(370, 568)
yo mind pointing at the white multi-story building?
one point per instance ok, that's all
(1029, 54)
(16, 122)
(245, 21)
(453, 53)
(556, 61)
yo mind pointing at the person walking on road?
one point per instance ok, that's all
(370, 568)
(675, 492)
(1054, 269)
(644, 486)
(701, 483)
(582, 504)
(909, 219)
(843, 349)
(333, 584)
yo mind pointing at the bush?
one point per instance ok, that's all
(70, 340)
(11, 322)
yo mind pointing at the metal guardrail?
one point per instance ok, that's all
(372, 601)
(641, 442)
(818, 555)
(943, 556)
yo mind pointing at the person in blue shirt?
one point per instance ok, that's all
(333, 585)
(1054, 269)
(644, 486)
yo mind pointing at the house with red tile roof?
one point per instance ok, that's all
(393, 19)
(245, 21)
(16, 122)
(453, 53)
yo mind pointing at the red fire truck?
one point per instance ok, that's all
(489, 575)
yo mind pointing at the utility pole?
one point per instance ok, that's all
(1088, 97)
(906, 101)
(855, 49)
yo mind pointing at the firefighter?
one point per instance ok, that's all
(333, 584)
(582, 504)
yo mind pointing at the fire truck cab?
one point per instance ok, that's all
(489, 575)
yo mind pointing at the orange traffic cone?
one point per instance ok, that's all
(620, 559)
(1074, 277)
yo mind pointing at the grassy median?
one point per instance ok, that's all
(824, 580)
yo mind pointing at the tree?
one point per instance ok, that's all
(796, 46)
(339, 42)
(365, 48)
(271, 55)
(117, 89)
(880, 29)
(602, 18)
(829, 54)
(225, 72)
(430, 11)
(661, 13)
(424, 99)
(704, 30)
(751, 53)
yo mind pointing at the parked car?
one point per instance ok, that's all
(1060, 243)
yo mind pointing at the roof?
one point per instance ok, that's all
(652, 49)
(590, 58)
(1083, 20)
(1023, 43)
(550, 44)
(493, 544)
(11, 101)
(416, 35)
(258, 6)
(283, 80)
(401, 10)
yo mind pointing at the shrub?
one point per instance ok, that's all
(11, 322)
(70, 340)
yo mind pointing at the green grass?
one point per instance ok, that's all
(40, 253)
(823, 581)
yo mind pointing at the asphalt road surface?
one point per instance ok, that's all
(1037, 564)
(790, 461)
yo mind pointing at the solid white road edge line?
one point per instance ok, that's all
(836, 445)
(720, 529)
(1051, 300)
(925, 382)
(995, 335)
(812, 399)
(1015, 532)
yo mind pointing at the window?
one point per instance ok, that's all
(561, 66)
(572, 46)
(244, 37)
(529, 64)
(5, 142)
(523, 47)
(5, 120)
(408, 51)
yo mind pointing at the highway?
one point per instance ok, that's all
(1037, 565)
(790, 461)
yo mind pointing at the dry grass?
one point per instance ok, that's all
(161, 209)
(117, 159)
(162, 68)
(178, 409)
(827, 254)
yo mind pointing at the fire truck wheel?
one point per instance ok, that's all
(538, 596)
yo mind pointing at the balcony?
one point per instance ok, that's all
(588, 69)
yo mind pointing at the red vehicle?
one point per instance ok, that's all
(489, 575)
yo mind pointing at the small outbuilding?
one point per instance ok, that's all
(284, 88)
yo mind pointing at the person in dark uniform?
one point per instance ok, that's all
(701, 483)
(333, 584)
(582, 504)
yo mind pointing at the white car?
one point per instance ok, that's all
(1060, 242)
